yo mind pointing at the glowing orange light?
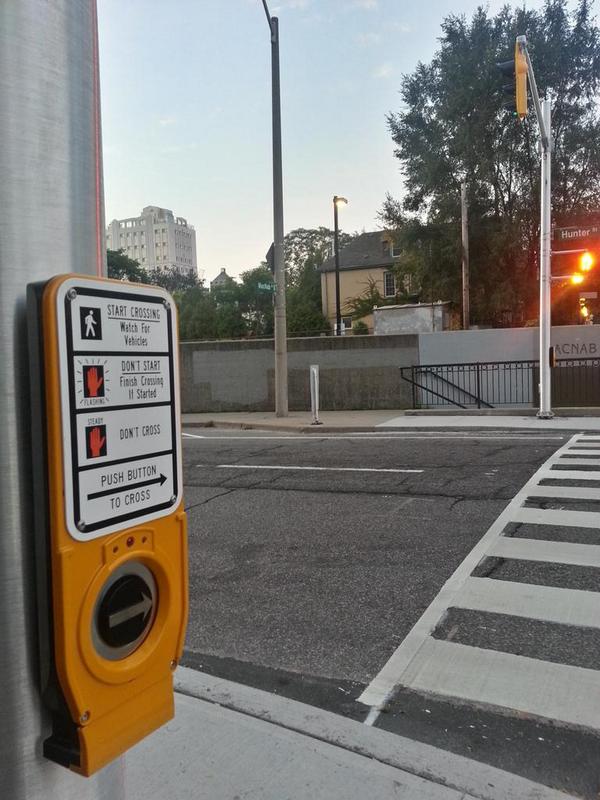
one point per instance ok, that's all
(577, 278)
(584, 311)
(586, 261)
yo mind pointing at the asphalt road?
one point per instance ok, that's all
(311, 558)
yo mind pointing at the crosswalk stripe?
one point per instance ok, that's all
(582, 451)
(583, 462)
(548, 603)
(569, 474)
(566, 492)
(541, 688)
(555, 516)
(582, 555)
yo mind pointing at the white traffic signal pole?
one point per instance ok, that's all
(545, 409)
(52, 221)
(543, 113)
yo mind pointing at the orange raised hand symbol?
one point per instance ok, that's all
(96, 442)
(94, 382)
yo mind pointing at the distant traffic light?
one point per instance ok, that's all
(520, 81)
(507, 68)
(586, 261)
(516, 70)
(583, 309)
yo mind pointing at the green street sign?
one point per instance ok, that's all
(265, 287)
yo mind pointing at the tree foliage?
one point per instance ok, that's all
(121, 267)
(303, 244)
(304, 315)
(453, 126)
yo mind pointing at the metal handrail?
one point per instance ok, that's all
(503, 382)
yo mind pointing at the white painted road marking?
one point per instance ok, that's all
(400, 436)
(567, 694)
(559, 692)
(314, 469)
(549, 603)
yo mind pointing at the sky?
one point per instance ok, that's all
(186, 111)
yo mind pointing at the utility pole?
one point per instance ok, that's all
(281, 377)
(52, 222)
(465, 255)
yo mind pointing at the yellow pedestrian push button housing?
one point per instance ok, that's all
(111, 545)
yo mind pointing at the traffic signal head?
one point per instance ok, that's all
(516, 89)
(507, 68)
(577, 278)
(586, 261)
(583, 309)
(520, 80)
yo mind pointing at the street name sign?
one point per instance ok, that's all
(120, 405)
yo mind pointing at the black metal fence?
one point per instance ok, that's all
(487, 384)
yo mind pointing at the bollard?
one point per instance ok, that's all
(314, 394)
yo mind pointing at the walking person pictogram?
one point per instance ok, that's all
(91, 323)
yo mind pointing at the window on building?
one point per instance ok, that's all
(389, 284)
(396, 251)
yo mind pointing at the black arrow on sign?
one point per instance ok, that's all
(106, 492)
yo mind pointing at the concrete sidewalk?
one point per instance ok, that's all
(229, 742)
(384, 421)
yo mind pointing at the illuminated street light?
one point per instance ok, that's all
(337, 202)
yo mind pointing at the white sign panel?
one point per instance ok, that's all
(120, 405)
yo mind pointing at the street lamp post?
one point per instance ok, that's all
(337, 201)
(281, 383)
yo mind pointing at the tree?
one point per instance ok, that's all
(173, 281)
(256, 301)
(304, 243)
(121, 267)
(197, 314)
(304, 314)
(364, 304)
(453, 125)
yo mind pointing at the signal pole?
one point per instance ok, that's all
(545, 409)
(52, 222)
(523, 71)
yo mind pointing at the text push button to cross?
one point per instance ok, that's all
(125, 611)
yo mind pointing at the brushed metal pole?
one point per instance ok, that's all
(545, 409)
(51, 221)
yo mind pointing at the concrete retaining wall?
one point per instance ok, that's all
(356, 372)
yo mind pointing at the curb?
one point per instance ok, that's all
(478, 780)
(281, 426)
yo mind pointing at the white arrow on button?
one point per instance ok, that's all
(143, 607)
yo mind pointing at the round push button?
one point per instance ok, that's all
(125, 611)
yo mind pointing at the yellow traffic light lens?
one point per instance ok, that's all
(586, 262)
(577, 278)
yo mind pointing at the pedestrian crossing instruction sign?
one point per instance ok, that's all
(120, 411)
